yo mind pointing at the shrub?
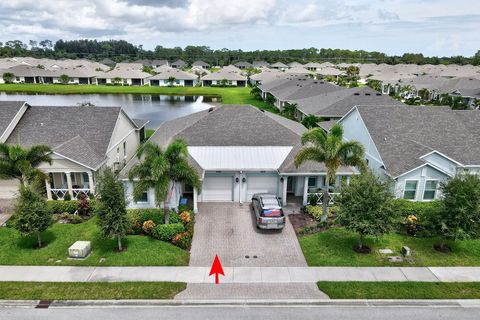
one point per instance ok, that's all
(67, 197)
(67, 218)
(416, 218)
(316, 211)
(166, 232)
(174, 217)
(60, 206)
(183, 240)
(83, 205)
(148, 226)
(136, 218)
(185, 217)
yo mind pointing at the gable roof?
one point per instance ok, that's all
(165, 72)
(8, 111)
(81, 134)
(403, 135)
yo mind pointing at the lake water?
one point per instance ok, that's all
(156, 108)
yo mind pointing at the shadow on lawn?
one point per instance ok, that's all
(31, 241)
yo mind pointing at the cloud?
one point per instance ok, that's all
(248, 24)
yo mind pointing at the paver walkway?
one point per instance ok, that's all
(229, 230)
(239, 274)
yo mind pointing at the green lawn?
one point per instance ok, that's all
(89, 291)
(400, 290)
(141, 250)
(334, 248)
(228, 95)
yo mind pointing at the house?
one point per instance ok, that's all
(130, 74)
(301, 71)
(295, 64)
(28, 74)
(83, 140)
(200, 64)
(313, 66)
(260, 64)
(334, 104)
(417, 147)
(159, 63)
(279, 65)
(237, 151)
(166, 74)
(178, 64)
(227, 76)
(266, 75)
(243, 65)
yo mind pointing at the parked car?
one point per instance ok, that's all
(268, 211)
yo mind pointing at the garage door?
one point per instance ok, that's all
(261, 184)
(217, 189)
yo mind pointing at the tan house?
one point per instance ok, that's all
(83, 140)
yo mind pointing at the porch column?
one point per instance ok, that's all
(305, 191)
(49, 189)
(91, 184)
(69, 184)
(284, 190)
(195, 200)
(348, 180)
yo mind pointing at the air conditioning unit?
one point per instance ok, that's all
(80, 250)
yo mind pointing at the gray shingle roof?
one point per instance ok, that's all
(234, 125)
(8, 111)
(69, 130)
(337, 103)
(403, 134)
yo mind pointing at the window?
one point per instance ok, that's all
(410, 190)
(430, 189)
(312, 182)
(143, 198)
(124, 149)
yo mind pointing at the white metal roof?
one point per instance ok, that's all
(239, 158)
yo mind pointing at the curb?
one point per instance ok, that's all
(474, 303)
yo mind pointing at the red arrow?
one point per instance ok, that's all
(216, 269)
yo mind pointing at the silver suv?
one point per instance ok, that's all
(268, 211)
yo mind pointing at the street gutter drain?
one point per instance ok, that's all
(255, 257)
(44, 304)
(247, 257)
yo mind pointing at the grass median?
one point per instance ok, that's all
(89, 290)
(401, 290)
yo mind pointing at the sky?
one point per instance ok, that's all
(431, 27)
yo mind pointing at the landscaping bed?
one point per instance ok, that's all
(89, 290)
(400, 290)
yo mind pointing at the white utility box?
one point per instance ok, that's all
(80, 249)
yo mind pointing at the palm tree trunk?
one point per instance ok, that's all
(119, 241)
(326, 198)
(166, 212)
(39, 240)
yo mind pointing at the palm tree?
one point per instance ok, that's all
(160, 168)
(22, 164)
(331, 150)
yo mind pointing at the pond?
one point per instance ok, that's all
(156, 108)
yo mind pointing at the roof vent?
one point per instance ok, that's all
(211, 109)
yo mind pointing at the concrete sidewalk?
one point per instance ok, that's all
(238, 274)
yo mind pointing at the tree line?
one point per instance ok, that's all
(121, 50)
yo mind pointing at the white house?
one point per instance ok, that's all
(238, 151)
(167, 74)
(418, 147)
(83, 140)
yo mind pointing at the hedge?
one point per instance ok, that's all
(166, 232)
(70, 206)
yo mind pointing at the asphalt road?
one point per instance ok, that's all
(243, 312)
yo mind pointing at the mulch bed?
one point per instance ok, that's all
(300, 221)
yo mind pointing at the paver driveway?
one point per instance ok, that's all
(228, 229)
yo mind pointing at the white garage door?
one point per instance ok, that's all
(261, 184)
(217, 189)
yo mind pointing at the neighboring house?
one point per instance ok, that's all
(279, 66)
(226, 76)
(238, 151)
(178, 64)
(285, 89)
(313, 66)
(28, 74)
(200, 64)
(128, 74)
(266, 75)
(334, 105)
(159, 63)
(83, 140)
(182, 78)
(418, 147)
(298, 70)
(243, 65)
(295, 64)
(260, 64)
